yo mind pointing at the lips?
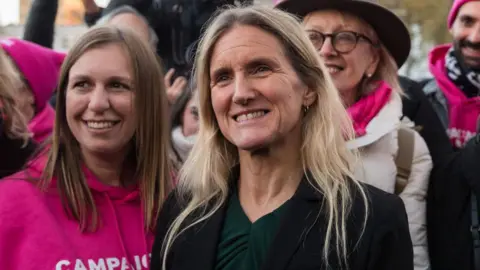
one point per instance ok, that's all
(471, 57)
(471, 53)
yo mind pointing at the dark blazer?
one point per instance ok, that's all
(385, 244)
(454, 176)
(418, 109)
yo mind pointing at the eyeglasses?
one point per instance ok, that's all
(342, 42)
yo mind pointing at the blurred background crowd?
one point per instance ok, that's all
(424, 18)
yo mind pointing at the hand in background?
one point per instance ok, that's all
(176, 88)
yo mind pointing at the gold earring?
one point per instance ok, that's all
(305, 108)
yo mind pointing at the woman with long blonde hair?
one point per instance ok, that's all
(38, 68)
(91, 198)
(16, 143)
(269, 184)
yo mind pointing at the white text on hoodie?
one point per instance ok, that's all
(138, 263)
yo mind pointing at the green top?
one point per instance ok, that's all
(244, 245)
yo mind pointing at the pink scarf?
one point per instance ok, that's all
(463, 111)
(364, 110)
(42, 124)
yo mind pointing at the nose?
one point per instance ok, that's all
(243, 92)
(327, 48)
(99, 100)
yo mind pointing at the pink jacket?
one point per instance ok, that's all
(463, 112)
(36, 233)
(40, 67)
(42, 124)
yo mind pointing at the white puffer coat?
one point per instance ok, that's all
(378, 148)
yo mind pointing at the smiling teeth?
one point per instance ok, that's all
(100, 125)
(333, 70)
(248, 116)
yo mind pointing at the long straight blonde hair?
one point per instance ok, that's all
(204, 178)
(150, 142)
(15, 123)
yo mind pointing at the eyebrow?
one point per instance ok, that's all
(468, 16)
(79, 77)
(112, 78)
(261, 61)
(251, 63)
(120, 78)
(340, 27)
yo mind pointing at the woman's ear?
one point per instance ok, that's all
(309, 97)
(372, 67)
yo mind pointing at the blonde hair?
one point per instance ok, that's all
(15, 123)
(387, 71)
(204, 177)
(150, 141)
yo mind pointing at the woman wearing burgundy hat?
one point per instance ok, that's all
(363, 45)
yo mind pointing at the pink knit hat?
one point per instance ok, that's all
(457, 4)
(40, 66)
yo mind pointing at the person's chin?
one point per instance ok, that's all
(252, 145)
(471, 58)
(473, 63)
(101, 148)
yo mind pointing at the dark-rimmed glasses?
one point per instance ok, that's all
(342, 42)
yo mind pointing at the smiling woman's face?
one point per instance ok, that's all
(100, 100)
(256, 94)
(346, 69)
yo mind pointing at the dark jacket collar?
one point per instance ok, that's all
(303, 212)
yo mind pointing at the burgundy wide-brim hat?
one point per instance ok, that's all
(390, 29)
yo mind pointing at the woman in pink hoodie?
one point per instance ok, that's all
(91, 198)
(39, 68)
(16, 145)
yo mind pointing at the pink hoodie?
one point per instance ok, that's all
(42, 124)
(36, 233)
(463, 111)
(40, 67)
